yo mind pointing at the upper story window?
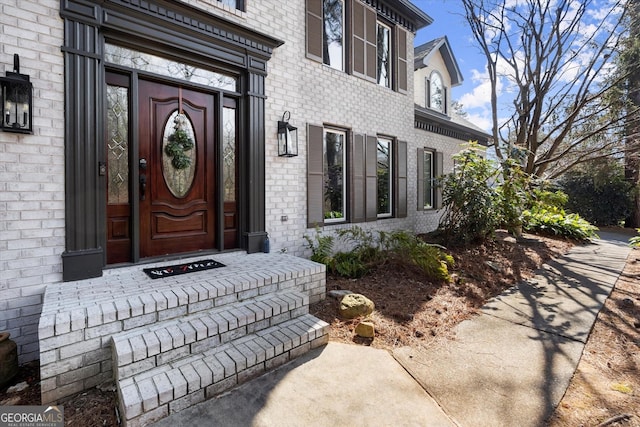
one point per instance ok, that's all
(436, 93)
(348, 36)
(384, 55)
(236, 4)
(332, 36)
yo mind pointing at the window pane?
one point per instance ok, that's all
(428, 179)
(332, 35)
(334, 179)
(229, 153)
(179, 169)
(166, 67)
(384, 55)
(436, 92)
(384, 177)
(118, 144)
(232, 3)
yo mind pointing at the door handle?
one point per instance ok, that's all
(143, 186)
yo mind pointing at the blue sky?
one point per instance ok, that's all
(474, 93)
(448, 19)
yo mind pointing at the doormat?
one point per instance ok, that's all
(189, 267)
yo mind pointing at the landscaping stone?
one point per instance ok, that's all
(355, 305)
(18, 387)
(365, 330)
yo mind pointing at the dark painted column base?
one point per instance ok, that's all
(83, 264)
(255, 241)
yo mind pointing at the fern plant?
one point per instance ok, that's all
(321, 248)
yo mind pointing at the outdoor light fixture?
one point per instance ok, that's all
(287, 137)
(17, 100)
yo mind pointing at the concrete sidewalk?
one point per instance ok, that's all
(511, 365)
(508, 366)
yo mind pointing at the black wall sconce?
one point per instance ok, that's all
(287, 137)
(17, 100)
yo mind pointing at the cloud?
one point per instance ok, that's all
(482, 120)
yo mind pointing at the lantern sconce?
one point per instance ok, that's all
(287, 137)
(17, 100)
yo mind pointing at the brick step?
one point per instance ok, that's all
(79, 318)
(174, 386)
(154, 345)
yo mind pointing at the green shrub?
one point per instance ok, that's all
(512, 195)
(321, 248)
(635, 241)
(431, 259)
(557, 222)
(599, 193)
(368, 250)
(546, 215)
(350, 264)
(471, 211)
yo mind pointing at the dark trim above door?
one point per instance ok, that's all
(171, 28)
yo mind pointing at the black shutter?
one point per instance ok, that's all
(315, 176)
(315, 31)
(371, 56)
(358, 39)
(357, 191)
(438, 193)
(401, 179)
(371, 180)
(401, 50)
(364, 52)
(420, 179)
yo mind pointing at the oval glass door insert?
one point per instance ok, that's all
(178, 154)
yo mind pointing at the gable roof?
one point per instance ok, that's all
(423, 53)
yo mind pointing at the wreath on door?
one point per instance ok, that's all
(179, 143)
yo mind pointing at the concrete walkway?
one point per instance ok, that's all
(508, 366)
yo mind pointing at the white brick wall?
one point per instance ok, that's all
(31, 172)
(317, 94)
(32, 166)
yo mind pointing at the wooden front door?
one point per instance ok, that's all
(177, 158)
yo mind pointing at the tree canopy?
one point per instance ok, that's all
(553, 71)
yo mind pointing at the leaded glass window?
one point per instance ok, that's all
(118, 144)
(166, 67)
(179, 175)
(229, 153)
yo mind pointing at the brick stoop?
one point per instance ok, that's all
(170, 343)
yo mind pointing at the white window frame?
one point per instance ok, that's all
(390, 58)
(428, 180)
(343, 133)
(430, 85)
(391, 181)
(342, 63)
